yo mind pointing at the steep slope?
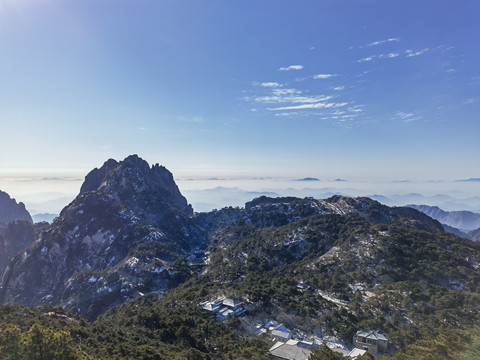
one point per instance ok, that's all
(11, 211)
(127, 232)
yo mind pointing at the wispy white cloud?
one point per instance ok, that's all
(444, 48)
(320, 105)
(411, 53)
(288, 114)
(300, 101)
(390, 55)
(375, 43)
(471, 101)
(451, 70)
(381, 56)
(356, 108)
(407, 117)
(323, 76)
(366, 59)
(291, 67)
(279, 95)
(295, 99)
(279, 92)
(270, 84)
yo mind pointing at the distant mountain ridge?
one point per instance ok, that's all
(462, 220)
(44, 217)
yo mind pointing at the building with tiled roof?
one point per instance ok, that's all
(372, 341)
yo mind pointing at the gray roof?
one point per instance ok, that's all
(232, 302)
(375, 335)
(289, 350)
(281, 334)
(355, 352)
(282, 327)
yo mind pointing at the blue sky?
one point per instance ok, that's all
(330, 89)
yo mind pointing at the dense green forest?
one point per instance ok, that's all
(152, 329)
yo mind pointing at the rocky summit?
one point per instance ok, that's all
(123, 235)
(11, 211)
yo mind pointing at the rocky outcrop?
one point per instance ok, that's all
(11, 211)
(135, 183)
(126, 233)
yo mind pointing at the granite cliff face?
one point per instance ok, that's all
(127, 232)
(16, 229)
(11, 211)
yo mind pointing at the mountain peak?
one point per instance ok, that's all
(133, 181)
(129, 223)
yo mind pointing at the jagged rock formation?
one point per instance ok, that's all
(11, 211)
(125, 233)
(135, 179)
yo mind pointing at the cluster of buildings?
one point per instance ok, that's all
(373, 342)
(224, 307)
(287, 348)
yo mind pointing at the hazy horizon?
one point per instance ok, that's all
(50, 192)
